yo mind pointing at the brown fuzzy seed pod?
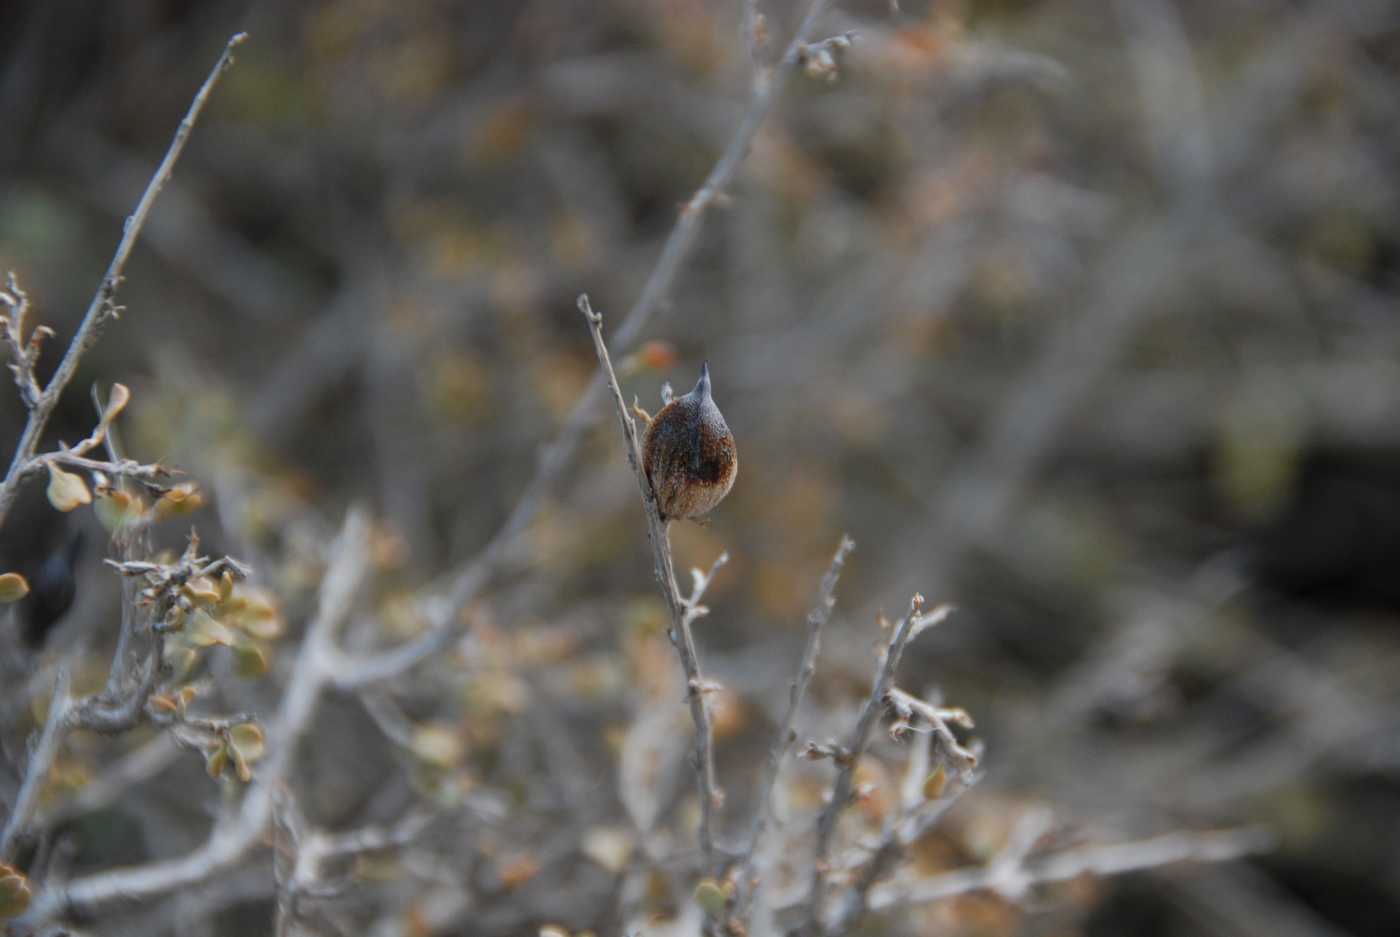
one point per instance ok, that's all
(689, 454)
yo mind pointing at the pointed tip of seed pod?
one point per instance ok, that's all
(702, 386)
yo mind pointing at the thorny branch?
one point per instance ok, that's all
(914, 620)
(683, 610)
(231, 838)
(41, 403)
(122, 703)
(926, 795)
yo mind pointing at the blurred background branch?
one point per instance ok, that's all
(1078, 316)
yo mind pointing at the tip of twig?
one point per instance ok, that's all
(236, 39)
(585, 307)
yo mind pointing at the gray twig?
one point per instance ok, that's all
(816, 621)
(860, 737)
(39, 763)
(102, 305)
(312, 673)
(683, 610)
(1013, 879)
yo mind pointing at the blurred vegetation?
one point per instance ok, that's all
(1079, 315)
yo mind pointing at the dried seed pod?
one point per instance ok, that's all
(689, 454)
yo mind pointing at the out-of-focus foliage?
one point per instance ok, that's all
(1078, 314)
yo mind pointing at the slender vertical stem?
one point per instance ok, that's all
(683, 611)
(855, 748)
(39, 763)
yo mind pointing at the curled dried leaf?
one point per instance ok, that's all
(240, 764)
(66, 491)
(216, 761)
(201, 591)
(248, 738)
(116, 402)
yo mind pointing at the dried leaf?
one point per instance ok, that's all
(116, 509)
(249, 660)
(240, 765)
(712, 897)
(248, 738)
(202, 592)
(935, 783)
(203, 630)
(66, 490)
(184, 498)
(216, 761)
(12, 588)
(255, 612)
(438, 745)
(610, 847)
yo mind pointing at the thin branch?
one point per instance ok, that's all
(916, 815)
(152, 475)
(816, 622)
(683, 610)
(25, 351)
(1114, 859)
(102, 305)
(443, 615)
(312, 673)
(860, 737)
(39, 763)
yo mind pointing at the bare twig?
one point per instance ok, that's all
(25, 351)
(816, 621)
(934, 720)
(443, 614)
(683, 610)
(919, 810)
(1013, 881)
(39, 763)
(102, 305)
(152, 475)
(312, 673)
(302, 853)
(860, 737)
